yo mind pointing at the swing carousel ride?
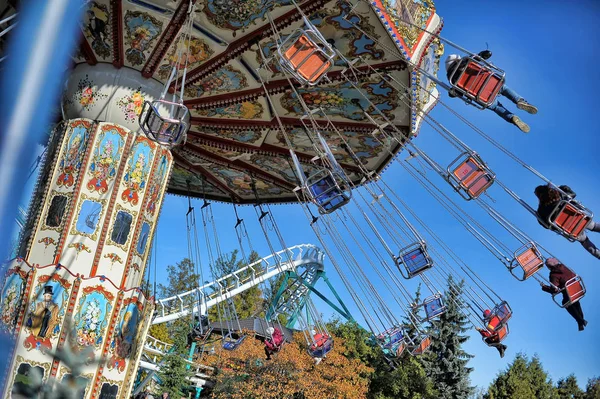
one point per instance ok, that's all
(257, 102)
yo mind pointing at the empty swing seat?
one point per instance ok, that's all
(527, 258)
(498, 317)
(422, 347)
(164, 122)
(306, 55)
(415, 260)
(322, 346)
(230, 343)
(571, 218)
(434, 306)
(327, 192)
(471, 177)
(479, 82)
(574, 290)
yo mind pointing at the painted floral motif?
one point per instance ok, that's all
(415, 12)
(244, 136)
(123, 342)
(239, 14)
(141, 30)
(225, 80)
(156, 186)
(344, 100)
(47, 241)
(72, 158)
(244, 110)
(276, 166)
(46, 312)
(87, 94)
(114, 258)
(132, 105)
(11, 300)
(193, 51)
(92, 317)
(97, 28)
(79, 246)
(105, 161)
(137, 172)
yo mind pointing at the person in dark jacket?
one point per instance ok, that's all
(549, 197)
(455, 65)
(492, 339)
(559, 275)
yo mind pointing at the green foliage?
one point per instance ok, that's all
(523, 379)
(446, 361)
(182, 277)
(173, 373)
(408, 381)
(568, 388)
(355, 338)
(592, 390)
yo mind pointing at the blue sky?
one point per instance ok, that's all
(553, 67)
(549, 52)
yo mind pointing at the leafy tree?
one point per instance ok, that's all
(568, 388)
(291, 374)
(161, 332)
(173, 373)
(446, 361)
(182, 277)
(523, 379)
(407, 381)
(592, 390)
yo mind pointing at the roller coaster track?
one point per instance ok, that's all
(304, 259)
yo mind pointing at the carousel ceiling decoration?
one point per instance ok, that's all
(235, 138)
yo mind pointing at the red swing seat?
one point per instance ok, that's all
(422, 347)
(570, 217)
(307, 59)
(498, 317)
(480, 82)
(574, 289)
(469, 175)
(529, 259)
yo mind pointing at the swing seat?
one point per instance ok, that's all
(479, 82)
(498, 336)
(422, 347)
(574, 289)
(168, 130)
(391, 336)
(470, 177)
(498, 317)
(434, 306)
(322, 346)
(414, 259)
(230, 343)
(570, 218)
(528, 259)
(328, 191)
(306, 55)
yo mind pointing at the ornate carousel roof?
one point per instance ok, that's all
(234, 137)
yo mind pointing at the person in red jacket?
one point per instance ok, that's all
(559, 275)
(490, 337)
(273, 341)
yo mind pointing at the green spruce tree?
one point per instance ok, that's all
(568, 388)
(523, 379)
(592, 389)
(446, 362)
(173, 373)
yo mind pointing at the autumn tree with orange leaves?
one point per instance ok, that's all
(292, 373)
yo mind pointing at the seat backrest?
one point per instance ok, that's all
(493, 323)
(502, 333)
(530, 261)
(478, 80)
(575, 289)
(571, 220)
(307, 59)
(425, 343)
(415, 260)
(473, 177)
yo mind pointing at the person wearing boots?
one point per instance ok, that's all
(455, 65)
(549, 197)
(559, 275)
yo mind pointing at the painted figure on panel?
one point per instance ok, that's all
(135, 181)
(71, 161)
(104, 164)
(45, 316)
(11, 300)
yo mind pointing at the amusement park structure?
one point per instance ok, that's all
(253, 102)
